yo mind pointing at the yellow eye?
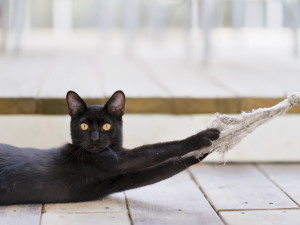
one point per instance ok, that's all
(106, 126)
(84, 126)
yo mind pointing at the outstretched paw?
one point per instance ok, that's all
(211, 134)
(203, 138)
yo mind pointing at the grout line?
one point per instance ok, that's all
(41, 213)
(78, 212)
(206, 197)
(272, 181)
(43, 208)
(128, 209)
(240, 210)
(239, 102)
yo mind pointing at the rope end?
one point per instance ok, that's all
(294, 99)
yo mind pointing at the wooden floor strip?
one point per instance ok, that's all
(110, 210)
(85, 218)
(112, 204)
(231, 187)
(286, 176)
(174, 201)
(259, 217)
(20, 214)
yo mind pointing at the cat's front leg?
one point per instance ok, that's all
(152, 175)
(152, 155)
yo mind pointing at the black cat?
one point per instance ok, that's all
(95, 164)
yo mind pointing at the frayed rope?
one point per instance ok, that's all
(235, 127)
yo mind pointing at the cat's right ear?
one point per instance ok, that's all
(76, 105)
(116, 104)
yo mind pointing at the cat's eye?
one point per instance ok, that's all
(106, 126)
(84, 126)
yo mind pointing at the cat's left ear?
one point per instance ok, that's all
(75, 104)
(116, 104)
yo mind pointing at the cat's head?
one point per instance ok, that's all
(96, 127)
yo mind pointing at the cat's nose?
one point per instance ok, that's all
(95, 136)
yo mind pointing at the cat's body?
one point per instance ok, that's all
(95, 164)
(53, 175)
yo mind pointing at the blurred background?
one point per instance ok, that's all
(178, 62)
(188, 27)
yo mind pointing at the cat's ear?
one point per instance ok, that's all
(116, 104)
(75, 104)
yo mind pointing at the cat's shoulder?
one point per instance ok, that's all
(6, 147)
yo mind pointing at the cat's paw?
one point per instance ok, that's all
(203, 138)
(210, 134)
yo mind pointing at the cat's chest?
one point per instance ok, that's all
(106, 160)
(96, 166)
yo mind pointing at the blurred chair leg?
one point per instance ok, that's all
(296, 28)
(131, 23)
(62, 18)
(106, 15)
(274, 14)
(106, 18)
(206, 27)
(210, 18)
(238, 13)
(192, 27)
(219, 13)
(5, 24)
(194, 14)
(157, 18)
(291, 15)
(20, 17)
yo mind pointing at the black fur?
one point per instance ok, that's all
(95, 164)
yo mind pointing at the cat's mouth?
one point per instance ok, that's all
(95, 148)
